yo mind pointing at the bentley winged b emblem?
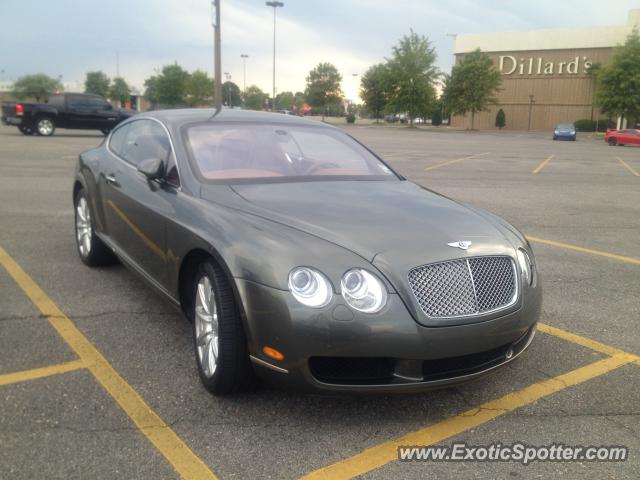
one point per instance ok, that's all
(463, 244)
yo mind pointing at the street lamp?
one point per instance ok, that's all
(227, 77)
(244, 57)
(275, 5)
(531, 102)
(217, 58)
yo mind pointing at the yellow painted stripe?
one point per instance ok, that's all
(34, 374)
(185, 462)
(543, 164)
(456, 160)
(568, 246)
(628, 167)
(586, 342)
(386, 452)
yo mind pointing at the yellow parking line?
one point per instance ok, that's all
(456, 160)
(185, 462)
(586, 342)
(621, 258)
(543, 164)
(628, 167)
(26, 375)
(386, 452)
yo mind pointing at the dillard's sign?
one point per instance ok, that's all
(537, 66)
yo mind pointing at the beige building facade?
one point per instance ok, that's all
(544, 73)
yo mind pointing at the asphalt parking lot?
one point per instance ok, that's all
(97, 377)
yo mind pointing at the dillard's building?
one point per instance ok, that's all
(544, 73)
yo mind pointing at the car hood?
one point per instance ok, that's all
(393, 220)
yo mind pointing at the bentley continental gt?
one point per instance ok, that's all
(301, 257)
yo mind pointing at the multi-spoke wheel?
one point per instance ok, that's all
(218, 336)
(90, 248)
(45, 126)
(206, 327)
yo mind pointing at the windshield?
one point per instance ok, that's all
(232, 152)
(566, 126)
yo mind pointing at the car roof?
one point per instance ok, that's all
(182, 116)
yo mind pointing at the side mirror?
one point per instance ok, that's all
(152, 168)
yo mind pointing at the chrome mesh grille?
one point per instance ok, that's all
(464, 287)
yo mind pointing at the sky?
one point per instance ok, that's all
(137, 37)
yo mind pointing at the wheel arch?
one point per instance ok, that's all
(188, 267)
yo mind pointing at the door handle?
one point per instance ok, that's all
(111, 180)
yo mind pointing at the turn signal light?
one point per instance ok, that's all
(272, 352)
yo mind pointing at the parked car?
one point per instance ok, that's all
(565, 131)
(300, 256)
(629, 136)
(64, 110)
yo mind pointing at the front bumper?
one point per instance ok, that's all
(324, 348)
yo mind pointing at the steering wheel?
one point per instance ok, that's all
(319, 166)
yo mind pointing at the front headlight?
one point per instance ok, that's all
(363, 291)
(310, 287)
(527, 267)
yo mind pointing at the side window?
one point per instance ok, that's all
(145, 139)
(117, 139)
(77, 102)
(56, 100)
(98, 103)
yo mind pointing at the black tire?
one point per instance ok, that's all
(612, 142)
(45, 126)
(25, 130)
(233, 372)
(98, 253)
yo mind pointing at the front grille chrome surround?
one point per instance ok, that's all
(465, 287)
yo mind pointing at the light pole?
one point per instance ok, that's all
(227, 77)
(244, 57)
(275, 5)
(217, 63)
(531, 102)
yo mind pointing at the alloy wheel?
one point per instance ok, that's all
(83, 227)
(45, 127)
(206, 327)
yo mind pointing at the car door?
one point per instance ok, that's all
(103, 116)
(136, 208)
(78, 111)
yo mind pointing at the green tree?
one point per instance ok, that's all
(151, 90)
(200, 89)
(172, 86)
(374, 87)
(37, 85)
(299, 100)
(231, 94)
(436, 117)
(254, 98)
(473, 84)
(619, 82)
(119, 91)
(501, 119)
(412, 74)
(285, 100)
(323, 87)
(97, 83)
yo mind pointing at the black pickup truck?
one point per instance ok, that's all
(64, 110)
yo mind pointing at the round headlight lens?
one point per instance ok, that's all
(310, 287)
(526, 267)
(363, 291)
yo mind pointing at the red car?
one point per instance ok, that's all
(630, 136)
